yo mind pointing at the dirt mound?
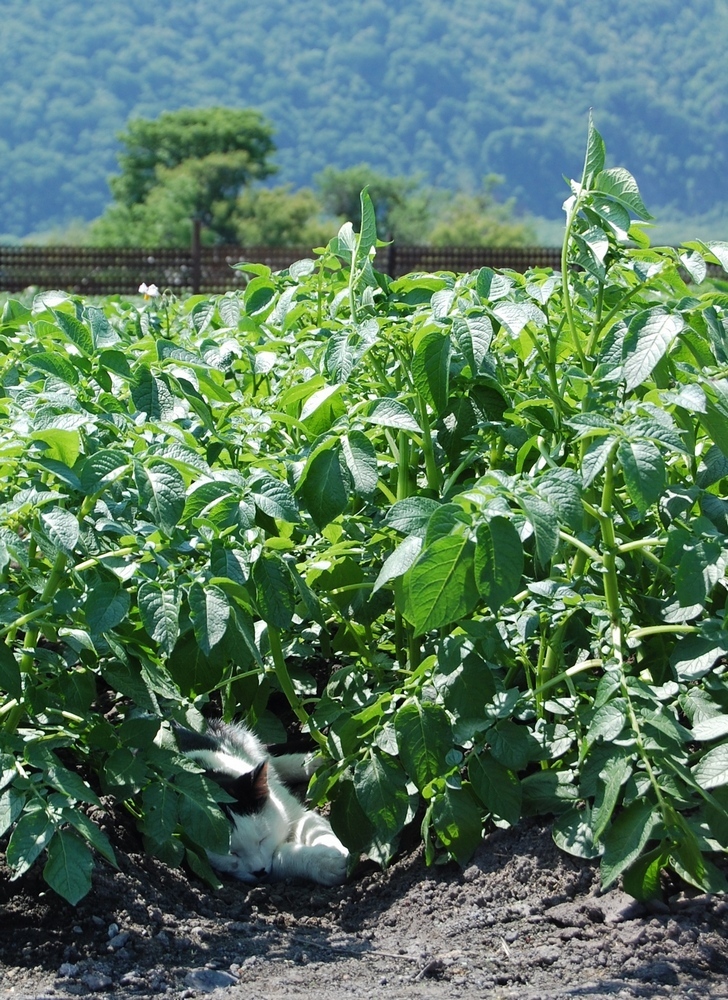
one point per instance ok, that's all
(522, 921)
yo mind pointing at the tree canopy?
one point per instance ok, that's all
(446, 90)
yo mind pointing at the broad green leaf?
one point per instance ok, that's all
(368, 236)
(608, 721)
(627, 837)
(55, 364)
(643, 469)
(572, 832)
(323, 489)
(10, 680)
(361, 461)
(151, 395)
(497, 788)
(456, 819)
(61, 529)
(159, 609)
(274, 497)
(431, 370)
(398, 562)
(649, 336)
(201, 818)
(348, 820)
(31, 835)
(107, 605)
(340, 356)
(68, 868)
(562, 488)
(424, 737)
(160, 811)
(694, 657)
(210, 612)
(440, 587)
(701, 567)
(545, 523)
(513, 745)
(11, 806)
(161, 493)
(642, 879)
(595, 458)
(275, 591)
(380, 785)
(101, 468)
(498, 561)
(473, 335)
(391, 413)
(711, 771)
(410, 516)
(231, 564)
(611, 778)
(619, 184)
(75, 331)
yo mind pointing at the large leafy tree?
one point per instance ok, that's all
(185, 165)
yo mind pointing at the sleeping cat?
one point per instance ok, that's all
(274, 836)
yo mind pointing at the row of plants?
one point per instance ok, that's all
(489, 507)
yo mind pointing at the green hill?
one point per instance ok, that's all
(449, 89)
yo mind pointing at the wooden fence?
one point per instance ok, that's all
(95, 271)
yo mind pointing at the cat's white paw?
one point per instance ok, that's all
(328, 864)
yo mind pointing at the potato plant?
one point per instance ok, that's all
(491, 505)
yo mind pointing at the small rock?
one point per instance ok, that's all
(97, 982)
(119, 940)
(67, 970)
(113, 930)
(546, 955)
(208, 980)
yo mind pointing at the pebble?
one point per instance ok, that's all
(113, 930)
(208, 980)
(119, 940)
(97, 982)
(67, 969)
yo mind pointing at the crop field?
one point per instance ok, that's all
(466, 533)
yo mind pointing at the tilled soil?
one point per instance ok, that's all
(522, 922)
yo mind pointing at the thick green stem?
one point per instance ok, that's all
(568, 307)
(403, 466)
(609, 559)
(432, 470)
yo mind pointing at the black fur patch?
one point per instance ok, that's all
(250, 790)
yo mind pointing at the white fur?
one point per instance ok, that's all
(283, 839)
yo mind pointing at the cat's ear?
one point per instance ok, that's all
(259, 786)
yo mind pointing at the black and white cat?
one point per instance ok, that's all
(274, 836)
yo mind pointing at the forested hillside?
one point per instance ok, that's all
(449, 89)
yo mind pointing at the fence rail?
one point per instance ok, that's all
(107, 271)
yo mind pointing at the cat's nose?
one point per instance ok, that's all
(261, 874)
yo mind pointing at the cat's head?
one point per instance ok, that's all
(259, 823)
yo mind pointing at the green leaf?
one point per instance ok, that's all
(380, 785)
(694, 657)
(474, 335)
(274, 498)
(75, 331)
(642, 879)
(10, 680)
(275, 591)
(201, 817)
(498, 561)
(625, 840)
(101, 468)
(107, 605)
(398, 562)
(159, 609)
(431, 370)
(368, 234)
(55, 364)
(61, 529)
(643, 469)
(210, 612)
(151, 395)
(513, 745)
(68, 868)
(545, 523)
(619, 185)
(361, 461)
(496, 786)
(572, 832)
(160, 811)
(410, 516)
(440, 587)
(161, 493)
(711, 771)
(611, 778)
(323, 489)
(595, 153)
(424, 738)
(457, 821)
(391, 413)
(649, 336)
(11, 806)
(31, 836)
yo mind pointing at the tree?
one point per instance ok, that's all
(340, 190)
(478, 220)
(278, 217)
(185, 165)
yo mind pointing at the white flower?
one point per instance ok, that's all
(148, 291)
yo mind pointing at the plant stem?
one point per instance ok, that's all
(432, 470)
(284, 679)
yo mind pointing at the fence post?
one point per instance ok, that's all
(196, 255)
